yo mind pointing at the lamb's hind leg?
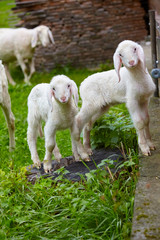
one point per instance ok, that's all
(57, 153)
(10, 79)
(88, 127)
(82, 118)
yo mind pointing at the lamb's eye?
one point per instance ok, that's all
(135, 49)
(120, 54)
(54, 89)
(69, 85)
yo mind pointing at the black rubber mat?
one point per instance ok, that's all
(76, 169)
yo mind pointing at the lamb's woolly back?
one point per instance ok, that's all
(100, 89)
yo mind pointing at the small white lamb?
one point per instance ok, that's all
(131, 84)
(54, 104)
(5, 103)
(19, 44)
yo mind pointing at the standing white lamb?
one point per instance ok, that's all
(5, 103)
(19, 44)
(54, 104)
(131, 84)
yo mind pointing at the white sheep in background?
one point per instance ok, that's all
(54, 104)
(131, 84)
(5, 104)
(19, 44)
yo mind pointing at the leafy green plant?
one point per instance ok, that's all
(114, 128)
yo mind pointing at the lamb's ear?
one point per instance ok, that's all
(34, 39)
(74, 91)
(51, 36)
(117, 64)
(49, 97)
(141, 56)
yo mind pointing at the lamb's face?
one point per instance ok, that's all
(44, 36)
(61, 89)
(128, 53)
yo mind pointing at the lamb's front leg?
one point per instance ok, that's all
(32, 139)
(50, 144)
(137, 115)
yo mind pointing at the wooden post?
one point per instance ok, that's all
(153, 46)
(158, 48)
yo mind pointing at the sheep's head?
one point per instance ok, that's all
(42, 35)
(62, 88)
(129, 54)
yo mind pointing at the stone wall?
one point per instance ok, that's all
(86, 32)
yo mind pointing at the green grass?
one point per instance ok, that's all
(100, 207)
(6, 12)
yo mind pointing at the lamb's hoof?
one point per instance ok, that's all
(145, 149)
(28, 83)
(77, 159)
(58, 160)
(89, 151)
(151, 145)
(48, 170)
(13, 83)
(37, 164)
(87, 160)
(147, 153)
(153, 148)
(47, 165)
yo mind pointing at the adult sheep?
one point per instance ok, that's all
(130, 84)
(19, 44)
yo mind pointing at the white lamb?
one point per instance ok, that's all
(131, 84)
(19, 44)
(54, 104)
(5, 104)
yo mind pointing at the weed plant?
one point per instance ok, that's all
(113, 128)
